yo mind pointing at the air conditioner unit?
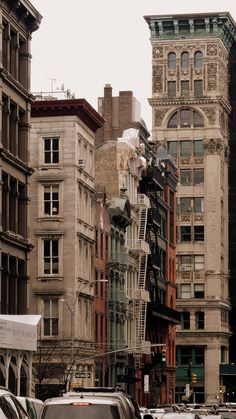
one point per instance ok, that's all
(81, 162)
(184, 268)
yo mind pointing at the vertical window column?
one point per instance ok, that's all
(6, 122)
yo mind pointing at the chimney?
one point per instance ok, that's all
(107, 111)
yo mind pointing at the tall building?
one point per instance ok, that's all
(18, 20)
(191, 107)
(62, 232)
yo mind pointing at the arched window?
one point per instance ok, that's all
(185, 118)
(185, 60)
(171, 61)
(198, 59)
(173, 121)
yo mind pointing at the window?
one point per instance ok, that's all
(199, 355)
(172, 148)
(198, 233)
(185, 118)
(185, 355)
(51, 150)
(198, 149)
(185, 60)
(51, 257)
(185, 290)
(171, 88)
(185, 263)
(50, 317)
(198, 290)
(51, 200)
(185, 205)
(198, 204)
(185, 320)
(200, 320)
(185, 88)
(185, 177)
(171, 61)
(185, 148)
(198, 88)
(198, 59)
(198, 262)
(185, 233)
(173, 121)
(198, 176)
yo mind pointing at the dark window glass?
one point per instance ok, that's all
(185, 355)
(185, 148)
(185, 88)
(199, 355)
(198, 149)
(172, 148)
(198, 59)
(171, 88)
(198, 204)
(51, 150)
(198, 176)
(185, 233)
(171, 61)
(186, 118)
(72, 410)
(185, 320)
(173, 121)
(198, 88)
(198, 233)
(185, 60)
(199, 291)
(185, 177)
(200, 319)
(185, 205)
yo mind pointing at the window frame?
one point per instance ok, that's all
(51, 152)
(51, 201)
(50, 318)
(171, 62)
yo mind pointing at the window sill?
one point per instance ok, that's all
(47, 278)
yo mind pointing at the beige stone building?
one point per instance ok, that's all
(62, 232)
(191, 108)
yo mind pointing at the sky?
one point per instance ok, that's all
(85, 44)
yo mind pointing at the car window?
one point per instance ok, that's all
(20, 409)
(80, 411)
(31, 409)
(8, 407)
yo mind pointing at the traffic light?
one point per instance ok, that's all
(163, 356)
(194, 378)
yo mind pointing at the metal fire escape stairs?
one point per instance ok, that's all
(142, 294)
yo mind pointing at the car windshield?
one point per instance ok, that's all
(80, 411)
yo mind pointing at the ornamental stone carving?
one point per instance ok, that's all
(213, 146)
(157, 52)
(211, 76)
(212, 49)
(227, 152)
(211, 114)
(157, 79)
(159, 114)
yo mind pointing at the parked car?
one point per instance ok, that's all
(129, 404)
(157, 412)
(85, 406)
(32, 406)
(10, 407)
(181, 415)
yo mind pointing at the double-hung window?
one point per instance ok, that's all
(51, 200)
(51, 150)
(50, 316)
(50, 256)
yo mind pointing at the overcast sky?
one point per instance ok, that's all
(86, 44)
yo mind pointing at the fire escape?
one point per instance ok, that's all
(140, 248)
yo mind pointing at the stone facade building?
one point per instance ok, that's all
(62, 232)
(191, 105)
(18, 20)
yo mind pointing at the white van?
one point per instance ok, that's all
(32, 406)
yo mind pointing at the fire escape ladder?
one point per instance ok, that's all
(142, 223)
(142, 270)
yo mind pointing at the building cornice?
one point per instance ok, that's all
(68, 107)
(181, 103)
